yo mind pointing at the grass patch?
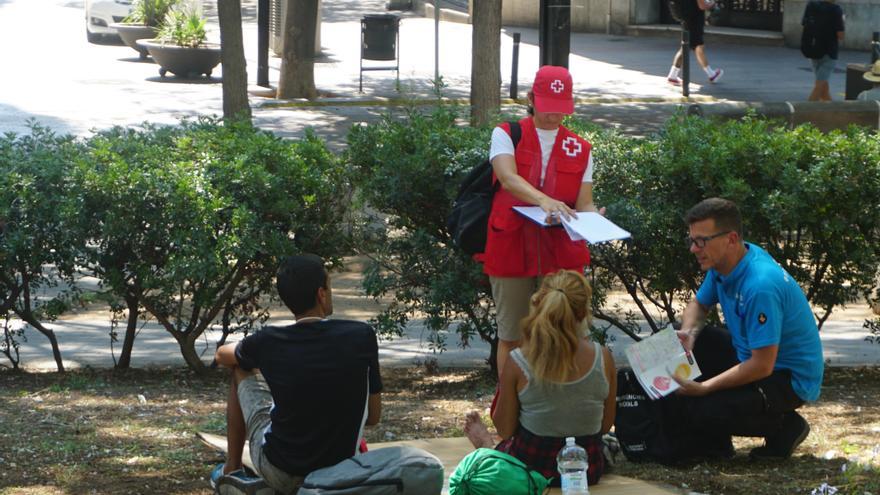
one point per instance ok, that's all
(88, 432)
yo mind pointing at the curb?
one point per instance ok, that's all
(403, 102)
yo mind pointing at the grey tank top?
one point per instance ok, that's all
(563, 409)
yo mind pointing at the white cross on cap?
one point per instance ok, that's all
(557, 86)
(571, 146)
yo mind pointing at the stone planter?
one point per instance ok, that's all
(183, 61)
(131, 33)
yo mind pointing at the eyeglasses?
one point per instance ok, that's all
(701, 241)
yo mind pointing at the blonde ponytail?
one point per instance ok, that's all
(552, 330)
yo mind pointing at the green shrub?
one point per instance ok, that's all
(806, 197)
(36, 245)
(188, 222)
(408, 168)
(150, 12)
(184, 27)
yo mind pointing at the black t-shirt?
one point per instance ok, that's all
(828, 22)
(320, 374)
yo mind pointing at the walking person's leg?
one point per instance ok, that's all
(512, 296)
(822, 68)
(674, 76)
(699, 46)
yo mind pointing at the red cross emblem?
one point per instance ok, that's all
(571, 146)
(557, 86)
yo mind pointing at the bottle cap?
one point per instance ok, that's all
(569, 441)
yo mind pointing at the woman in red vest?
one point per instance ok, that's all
(551, 167)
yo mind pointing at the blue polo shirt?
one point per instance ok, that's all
(763, 305)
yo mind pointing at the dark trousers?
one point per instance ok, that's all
(752, 410)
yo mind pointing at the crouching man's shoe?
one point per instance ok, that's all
(781, 445)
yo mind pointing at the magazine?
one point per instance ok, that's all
(656, 358)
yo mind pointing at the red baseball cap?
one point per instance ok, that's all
(552, 90)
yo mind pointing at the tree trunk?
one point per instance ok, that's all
(130, 331)
(486, 61)
(297, 78)
(187, 345)
(56, 352)
(235, 96)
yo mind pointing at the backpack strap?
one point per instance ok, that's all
(515, 133)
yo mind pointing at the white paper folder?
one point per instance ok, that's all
(588, 226)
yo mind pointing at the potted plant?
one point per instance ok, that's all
(143, 22)
(181, 47)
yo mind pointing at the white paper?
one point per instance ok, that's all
(588, 226)
(655, 359)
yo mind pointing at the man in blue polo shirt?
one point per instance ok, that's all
(768, 361)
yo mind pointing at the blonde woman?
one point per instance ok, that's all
(557, 384)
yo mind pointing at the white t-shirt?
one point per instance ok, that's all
(503, 145)
(869, 94)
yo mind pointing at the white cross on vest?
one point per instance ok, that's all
(571, 146)
(557, 86)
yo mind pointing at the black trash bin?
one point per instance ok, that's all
(379, 41)
(855, 81)
(379, 36)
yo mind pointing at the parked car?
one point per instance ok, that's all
(101, 13)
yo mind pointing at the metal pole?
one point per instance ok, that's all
(543, 37)
(685, 62)
(263, 43)
(514, 70)
(436, 41)
(554, 32)
(875, 47)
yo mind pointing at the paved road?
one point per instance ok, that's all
(52, 75)
(72, 86)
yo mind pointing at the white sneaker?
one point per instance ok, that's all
(674, 81)
(716, 76)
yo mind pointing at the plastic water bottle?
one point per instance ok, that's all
(572, 464)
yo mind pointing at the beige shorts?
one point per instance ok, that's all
(512, 296)
(256, 402)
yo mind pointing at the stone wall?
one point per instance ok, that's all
(600, 16)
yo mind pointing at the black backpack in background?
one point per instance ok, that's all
(676, 9)
(468, 221)
(814, 39)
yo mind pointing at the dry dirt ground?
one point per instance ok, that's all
(133, 432)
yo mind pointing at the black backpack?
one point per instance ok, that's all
(645, 428)
(814, 40)
(468, 221)
(676, 9)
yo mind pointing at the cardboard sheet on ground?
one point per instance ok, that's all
(451, 451)
(588, 226)
(218, 443)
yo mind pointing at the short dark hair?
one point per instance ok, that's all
(298, 280)
(723, 211)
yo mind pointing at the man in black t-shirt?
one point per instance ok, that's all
(300, 394)
(823, 24)
(694, 20)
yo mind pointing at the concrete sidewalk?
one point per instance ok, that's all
(620, 81)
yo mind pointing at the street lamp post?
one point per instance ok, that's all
(554, 32)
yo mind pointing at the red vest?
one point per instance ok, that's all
(517, 247)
